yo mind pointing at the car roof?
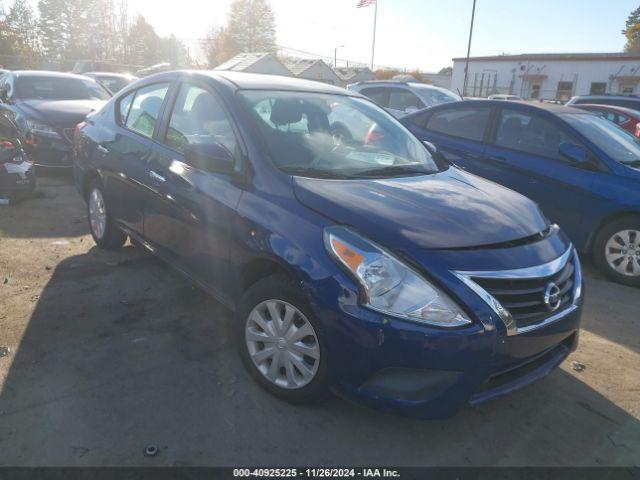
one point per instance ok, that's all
(256, 81)
(46, 73)
(606, 106)
(110, 74)
(549, 107)
(605, 97)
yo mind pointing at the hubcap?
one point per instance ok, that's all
(282, 344)
(622, 252)
(97, 214)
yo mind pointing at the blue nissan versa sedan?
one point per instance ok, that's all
(386, 274)
(581, 169)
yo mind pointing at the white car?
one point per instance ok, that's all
(403, 98)
(501, 96)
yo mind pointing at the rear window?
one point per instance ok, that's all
(467, 122)
(59, 88)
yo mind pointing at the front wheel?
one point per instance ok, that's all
(281, 343)
(104, 231)
(617, 250)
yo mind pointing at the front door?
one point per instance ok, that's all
(124, 151)
(191, 217)
(527, 145)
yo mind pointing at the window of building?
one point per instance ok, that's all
(598, 88)
(565, 90)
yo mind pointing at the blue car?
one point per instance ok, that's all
(581, 169)
(384, 274)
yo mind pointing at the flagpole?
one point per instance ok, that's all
(373, 44)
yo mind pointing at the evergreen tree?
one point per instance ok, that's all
(632, 32)
(21, 21)
(54, 27)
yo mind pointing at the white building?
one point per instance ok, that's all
(549, 76)
(313, 70)
(266, 63)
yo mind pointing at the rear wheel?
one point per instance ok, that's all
(280, 341)
(617, 250)
(103, 229)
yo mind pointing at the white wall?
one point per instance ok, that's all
(269, 65)
(507, 74)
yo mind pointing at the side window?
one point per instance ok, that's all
(421, 119)
(124, 106)
(198, 117)
(532, 134)
(377, 94)
(401, 99)
(466, 122)
(145, 109)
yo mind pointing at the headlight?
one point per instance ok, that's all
(42, 129)
(389, 285)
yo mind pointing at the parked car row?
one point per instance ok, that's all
(355, 256)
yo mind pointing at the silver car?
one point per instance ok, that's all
(402, 98)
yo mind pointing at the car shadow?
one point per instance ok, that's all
(121, 353)
(611, 309)
(30, 217)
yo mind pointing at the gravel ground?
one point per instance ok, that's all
(102, 354)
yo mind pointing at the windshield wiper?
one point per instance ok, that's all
(313, 172)
(392, 170)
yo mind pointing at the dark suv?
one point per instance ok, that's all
(382, 272)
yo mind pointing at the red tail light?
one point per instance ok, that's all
(7, 144)
(80, 126)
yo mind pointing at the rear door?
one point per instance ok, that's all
(526, 145)
(459, 132)
(191, 215)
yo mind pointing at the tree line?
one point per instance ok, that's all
(59, 32)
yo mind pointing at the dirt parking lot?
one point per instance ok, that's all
(111, 352)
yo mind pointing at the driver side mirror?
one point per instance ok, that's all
(573, 152)
(211, 157)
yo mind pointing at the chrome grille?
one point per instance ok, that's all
(525, 300)
(528, 298)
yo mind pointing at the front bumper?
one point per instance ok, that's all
(421, 371)
(50, 152)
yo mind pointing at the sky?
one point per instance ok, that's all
(423, 34)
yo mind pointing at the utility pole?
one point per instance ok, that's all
(335, 55)
(466, 67)
(375, 18)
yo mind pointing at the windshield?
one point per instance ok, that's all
(59, 88)
(616, 142)
(435, 96)
(334, 136)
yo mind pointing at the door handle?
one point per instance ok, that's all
(157, 177)
(102, 150)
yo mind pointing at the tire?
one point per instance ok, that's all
(279, 292)
(104, 231)
(616, 250)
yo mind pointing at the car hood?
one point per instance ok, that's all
(60, 112)
(450, 209)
